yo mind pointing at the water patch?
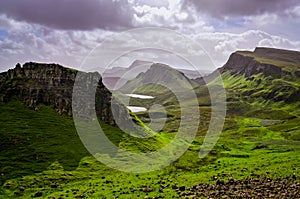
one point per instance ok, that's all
(136, 109)
(140, 96)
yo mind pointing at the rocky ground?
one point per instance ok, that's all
(252, 187)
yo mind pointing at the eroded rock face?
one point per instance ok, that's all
(248, 66)
(52, 85)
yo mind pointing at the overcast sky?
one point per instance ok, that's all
(65, 31)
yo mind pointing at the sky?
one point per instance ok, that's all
(66, 31)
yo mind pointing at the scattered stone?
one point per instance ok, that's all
(55, 185)
(108, 181)
(22, 189)
(182, 188)
(174, 186)
(81, 196)
(38, 194)
(19, 193)
(92, 191)
(262, 187)
(160, 190)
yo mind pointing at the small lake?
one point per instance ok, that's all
(136, 109)
(140, 96)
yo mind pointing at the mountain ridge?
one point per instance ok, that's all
(116, 77)
(159, 74)
(261, 60)
(52, 85)
(265, 61)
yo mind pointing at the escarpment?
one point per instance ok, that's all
(52, 85)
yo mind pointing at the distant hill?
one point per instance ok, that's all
(116, 77)
(193, 74)
(158, 74)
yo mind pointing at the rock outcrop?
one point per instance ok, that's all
(275, 72)
(52, 85)
(244, 64)
(267, 61)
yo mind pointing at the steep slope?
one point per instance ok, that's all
(32, 140)
(37, 129)
(51, 85)
(267, 61)
(266, 75)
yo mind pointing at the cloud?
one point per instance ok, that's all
(33, 38)
(171, 16)
(71, 14)
(223, 8)
(294, 12)
(29, 42)
(220, 45)
(164, 14)
(24, 42)
(287, 24)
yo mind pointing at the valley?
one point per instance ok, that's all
(256, 156)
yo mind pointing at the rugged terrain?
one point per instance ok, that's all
(257, 154)
(51, 85)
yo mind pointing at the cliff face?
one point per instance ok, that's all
(278, 80)
(267, 61)
(241, 64)
(52, 85)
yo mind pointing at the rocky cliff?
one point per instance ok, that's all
(266, 73)
(242, 64)
(270, 62)
(275, 63)
(52, 85)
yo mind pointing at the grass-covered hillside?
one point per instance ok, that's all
(256, 156)
(41, 155)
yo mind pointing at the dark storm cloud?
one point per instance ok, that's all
(70, 14)
(222, 8)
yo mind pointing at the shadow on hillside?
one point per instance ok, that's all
(33, 140)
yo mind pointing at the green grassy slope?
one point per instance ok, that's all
(41, 154)
(31, 141)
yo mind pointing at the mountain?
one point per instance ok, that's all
(36, 118)
(267, 61)
(258, 149)
(51, 85)
(116, 77)
(157, 74)
(119, 71)
(193, 74)
(265, 75)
